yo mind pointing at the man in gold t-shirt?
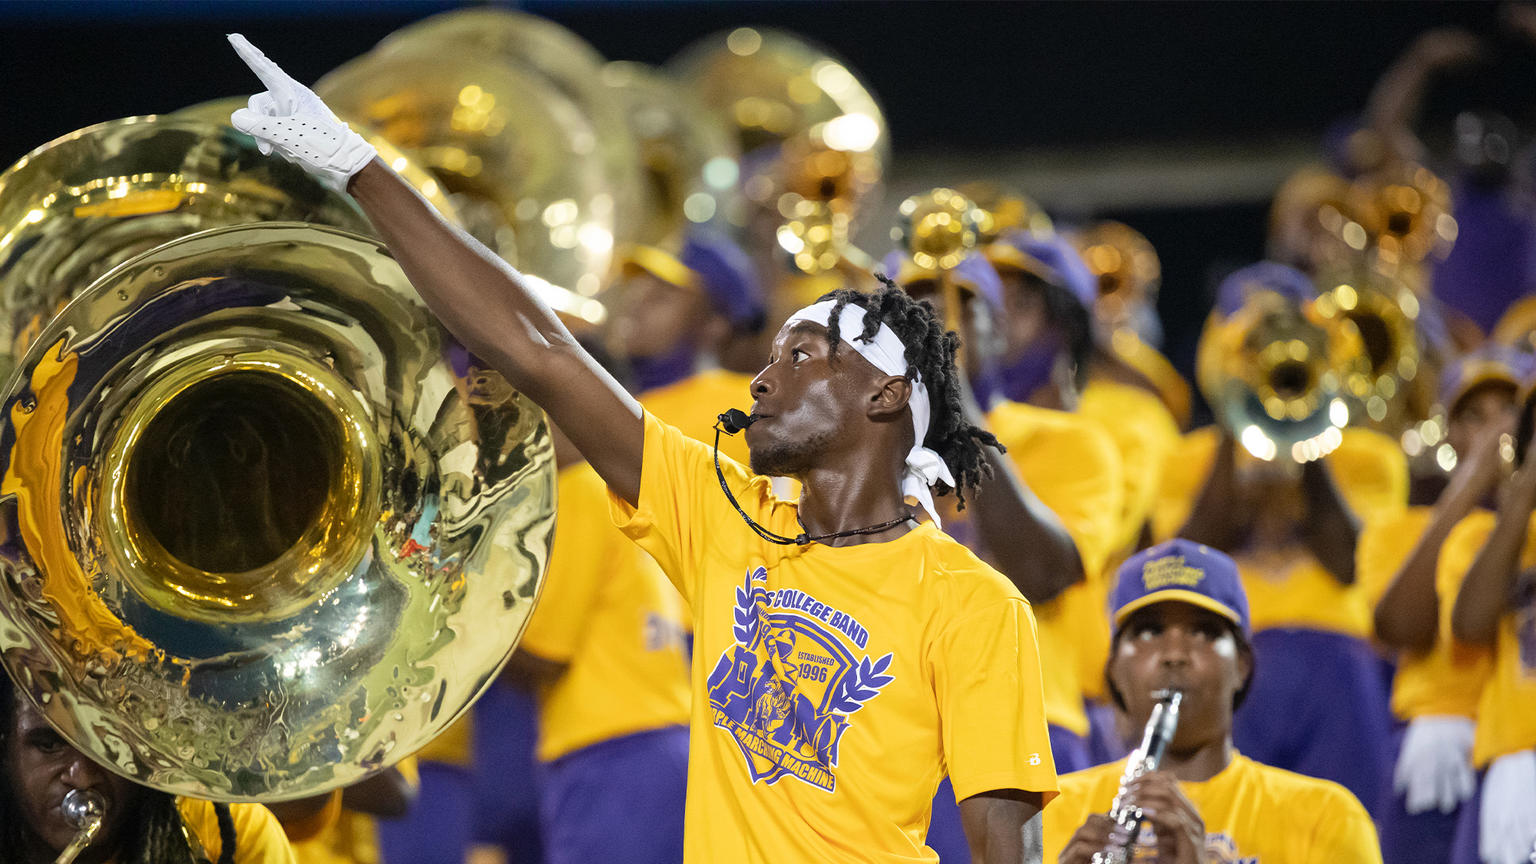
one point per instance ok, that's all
(1181, 623)
(840, 671)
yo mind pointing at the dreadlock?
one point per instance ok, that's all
(930, 355)
(153, 834)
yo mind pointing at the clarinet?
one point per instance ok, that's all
(1146, 758)
(83, 810)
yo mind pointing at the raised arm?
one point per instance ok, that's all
(487, 306)
(480, 299)
(1216, 519)
(1330, 529)
(1485, 593)
(1024, 539)
(1408, 614)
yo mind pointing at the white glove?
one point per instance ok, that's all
(291, 119)
(1434, 767)
(1507, 833)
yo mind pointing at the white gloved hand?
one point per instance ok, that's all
(290, 119)
(1434, 768)
(1507, 829)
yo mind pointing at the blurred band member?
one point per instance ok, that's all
(673, 317)
(1496, 609)
(1181, 622)
(1049, 297)
(606, 655)
(840, 670)
(1053, 528)
(1293, 530)
(140, 826)
(1046, 519)
(1438, 681)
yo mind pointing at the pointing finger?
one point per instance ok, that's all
(279, 83)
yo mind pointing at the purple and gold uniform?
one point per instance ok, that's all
(613, 728)
(1506, 707)
(341, 836)
(439, 828)
(259, 837)
(834, 686)
(1444, 681)
(1252, 812)
(1314, 660)
(1071, 463)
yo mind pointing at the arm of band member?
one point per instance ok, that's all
(494, 312)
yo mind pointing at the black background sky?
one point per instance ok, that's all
(952, 76)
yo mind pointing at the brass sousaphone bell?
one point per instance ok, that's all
(1275, 375)
(264, 529)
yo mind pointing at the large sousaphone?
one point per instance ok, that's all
(264, 528)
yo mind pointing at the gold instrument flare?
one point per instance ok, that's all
(938, 229)
(687, 155)
(561, 60)
(1001, 210)
(1275, 375)
(1125, 265)
(507, 146)
(252, 501)
(1385, 313)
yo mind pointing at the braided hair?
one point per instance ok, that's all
(153, 834)
(930, 355)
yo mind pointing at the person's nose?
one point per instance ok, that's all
(1174, 652)
(82, 773)
(763, 384)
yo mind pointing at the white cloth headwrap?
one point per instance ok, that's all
(886, 353)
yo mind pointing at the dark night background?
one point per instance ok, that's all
(1070, 86)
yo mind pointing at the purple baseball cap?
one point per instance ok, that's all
(1180, 571)
(1051, 257)
(973, 272)
(1488, 363)
(713, 264)
(1288, 282)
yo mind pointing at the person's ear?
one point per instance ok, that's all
(889, 397)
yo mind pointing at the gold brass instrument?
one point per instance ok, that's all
(1276, 374)
(1385, 313)
(687, 155)
(812, 138)
(771, 86)
(513, 153)
(1146, 758)
(564, 61)
(1410, 211)
(1315, 222)
(938, 229)
(263, 528)
(1001, 210)
(1126, 267)
(79, 205)
(83, 810)
(935, 231)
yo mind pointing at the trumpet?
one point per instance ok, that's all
(1144, 760)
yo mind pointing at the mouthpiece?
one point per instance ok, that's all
(82, 807)
(83, 810)
(734, 421)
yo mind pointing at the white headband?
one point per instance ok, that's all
(886, 352)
